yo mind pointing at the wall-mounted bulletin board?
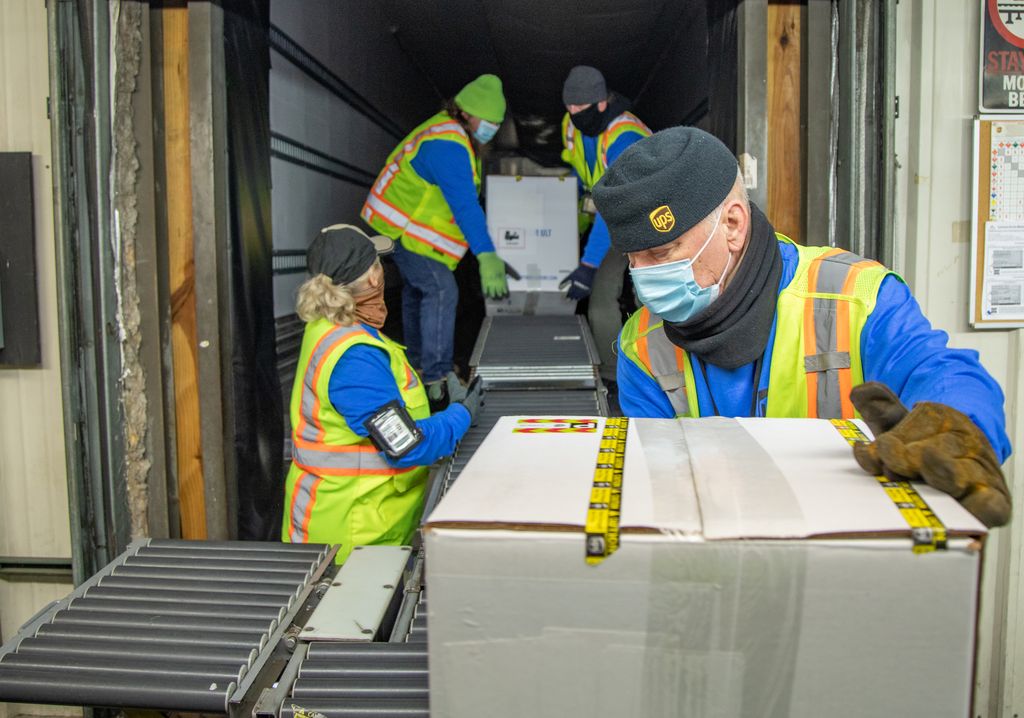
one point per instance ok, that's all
(997, 234)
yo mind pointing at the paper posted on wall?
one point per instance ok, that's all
(1003, 272)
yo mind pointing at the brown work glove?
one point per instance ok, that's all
(933, 442)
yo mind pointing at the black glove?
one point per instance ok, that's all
(472, 398)
(933, 442)
(580, 281)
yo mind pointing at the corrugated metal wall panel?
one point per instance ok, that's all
(351, 40)
(33, 490)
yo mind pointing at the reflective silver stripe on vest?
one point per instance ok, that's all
(828, 360)
(303, 495)
(570, 135)
(662, 354)
(825, 341)
(832, 272)
(310, 428)
(394, 167)
(391, 215)
(362, 461)
(449, 245)
(623, 119)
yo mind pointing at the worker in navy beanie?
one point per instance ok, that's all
(596, 129)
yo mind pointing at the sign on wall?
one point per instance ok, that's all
(997, 235)
(1002, 56)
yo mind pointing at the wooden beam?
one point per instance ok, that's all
(181, 268)
(209, 160)
(785, 122)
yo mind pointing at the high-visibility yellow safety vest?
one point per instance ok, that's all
(339, 488)
(574, 154)
(404, 206)
(816, 355)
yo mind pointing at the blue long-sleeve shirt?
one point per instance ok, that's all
(362, 383)
(599, 240)
(899, 348)
(448, 165)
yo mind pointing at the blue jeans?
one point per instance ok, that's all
(429, 299)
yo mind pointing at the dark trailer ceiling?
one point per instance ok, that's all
(655, 52)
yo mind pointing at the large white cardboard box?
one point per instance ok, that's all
(760, 574)
(533, 222)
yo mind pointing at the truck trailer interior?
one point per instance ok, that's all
(257, 122)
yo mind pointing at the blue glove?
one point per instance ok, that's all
(579, 281)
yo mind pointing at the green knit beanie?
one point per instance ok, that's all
(483, 98)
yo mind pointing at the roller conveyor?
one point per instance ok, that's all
(535, 352)
(373, 679)
(226, 627)
(149, 642)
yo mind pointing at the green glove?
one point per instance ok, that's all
(437, 395)
(492, 275)
(933, 442)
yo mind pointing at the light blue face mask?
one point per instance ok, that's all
(485, 132)
(671, 291)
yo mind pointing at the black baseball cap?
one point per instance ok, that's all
(344, 252)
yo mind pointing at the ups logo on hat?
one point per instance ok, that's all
(662, 219)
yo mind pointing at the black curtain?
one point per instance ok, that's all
(255, 388)
(723, 68)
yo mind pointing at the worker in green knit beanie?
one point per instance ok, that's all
(427, 199)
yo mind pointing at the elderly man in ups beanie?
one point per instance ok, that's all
(738, 320)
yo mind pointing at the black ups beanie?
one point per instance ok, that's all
(662, 186)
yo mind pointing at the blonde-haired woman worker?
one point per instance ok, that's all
(363, 437)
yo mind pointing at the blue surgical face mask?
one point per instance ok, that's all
(485, 132)
(671, 291)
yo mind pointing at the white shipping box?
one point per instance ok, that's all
(533, 222)
(761, 573)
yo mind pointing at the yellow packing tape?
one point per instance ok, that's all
(602, 526)
(926, 530)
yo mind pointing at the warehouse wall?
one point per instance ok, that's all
(33, 492)
(353, 42)
(937, 81)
